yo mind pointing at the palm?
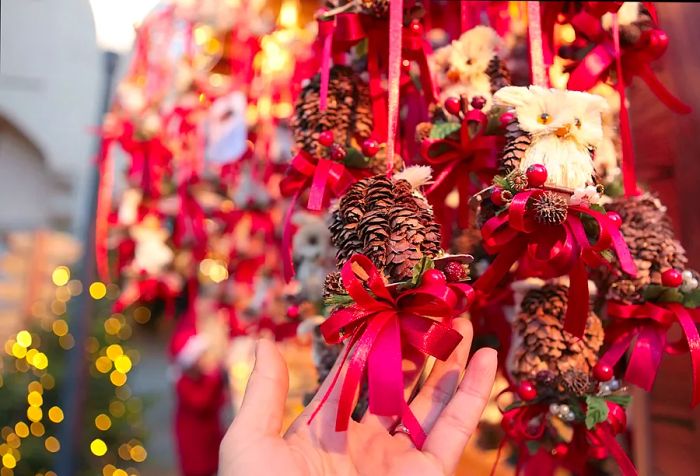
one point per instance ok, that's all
(253, 445)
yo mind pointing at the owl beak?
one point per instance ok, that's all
(563, 131)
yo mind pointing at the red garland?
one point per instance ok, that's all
(377, 327)
(553, 250)
(454, 162)
(649, 324)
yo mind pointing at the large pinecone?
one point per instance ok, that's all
(377, 8)
(498, 73)
(388, 222)
(649, 235)
(545, 346)
(348, 113)
(333, 285)
(517, 142)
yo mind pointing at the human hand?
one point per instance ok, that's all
(448, 407)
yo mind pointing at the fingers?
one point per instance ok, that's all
(262, 410)
(442, 382)
(458, 421)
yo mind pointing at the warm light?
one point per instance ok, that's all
(22, 429)
(122, 364)
(103, 422)
(112, 326)
(119, 472)
(289, 14)
(124, 452)
(202, 34)
(63, 294)
(117, 408)
(55, 414)
(59, 327)
(9, 461)
(52, 444)
(60, 276)
(103, 364)
(142, 314)
(34, 413)
(66, 342)
(115, 22)
(75, 287)
(24, 338)
(37, 429)
(567, 33)
(108, 470)
(98, 290)
(35, 387)
(117, 378)
(34, 399)
(47, 381)
(18, 351)
(98, 447)
(13, 441)
(138, 453)
(40, 361)
(114, 351)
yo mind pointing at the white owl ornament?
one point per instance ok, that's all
(556, 128)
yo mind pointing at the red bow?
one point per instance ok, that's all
(455, 161)
(377, 326)
(635, 60)
(553, 251)
(650, 323)
(320, 176)
(189, 223)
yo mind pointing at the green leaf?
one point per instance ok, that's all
(652, 292)
(622, 400)
(500, 181)
(533, 446)
(671, 295)
(440, 130)
(597, 208)
(596, 412)
(355, 159)
(342, 300)
(692, 299)
(421, 267)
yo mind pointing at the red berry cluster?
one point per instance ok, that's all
(370, 147)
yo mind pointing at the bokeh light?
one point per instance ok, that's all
(98, 447)
(98, 290)
(60, 276)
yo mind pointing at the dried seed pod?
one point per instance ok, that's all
(549, 208)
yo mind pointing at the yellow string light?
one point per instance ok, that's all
(55, 414)
(122, 364)
(52, 444)
(138, 453)
(59, 327)
(117, 378)
(37, 429)
(21, 429)
(117, 408)
(114, 351)
(98, 290)
(103, 422)
(9, 461)
(98, 447)
(34, 413)
(24, 338)
(34, 399)
(40, 361)
(103, 364)
(60, 276)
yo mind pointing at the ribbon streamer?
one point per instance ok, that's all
(395, 47)
(377, 327)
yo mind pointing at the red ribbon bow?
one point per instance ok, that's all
(320, 176)
(376, 328)
(552, 251)
(649, 324)
(455, 161)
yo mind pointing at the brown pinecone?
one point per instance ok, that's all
(387, 221)
(377, 8)
(517, 142)
(576, 382)
(333, 285)
(649, 235)
(517, 180)
(544, 346)
(377, 164)
(348, 113)
(498, 73)
(549, 208)
(423, 131)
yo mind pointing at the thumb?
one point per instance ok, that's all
(263, 404)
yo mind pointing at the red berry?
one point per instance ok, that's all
(455, 272)
(453, 105)
(603, 372)
(658, 43)
(433, 276)
(536, 175)
(326, 138)
(527, 391)
(406, 66)
(293, 312)
(498, 196)
(672, 278)
(416, 27)
(337, 152)
(478, 102)
(561, 450)
(370, 147)
(506, 118)
(615, 218)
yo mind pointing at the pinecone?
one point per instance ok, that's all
(423, 131)
(348, 113)
(498, 73)
(387, 221)
(333, 285)
(649, 235)
(544, 346)
(517, 180)
(517, 142)
(377, 8)
(377, 164)
(549, 208)
(576, 382)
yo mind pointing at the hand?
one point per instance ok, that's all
(448, 406)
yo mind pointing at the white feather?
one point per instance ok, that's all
(416, 175)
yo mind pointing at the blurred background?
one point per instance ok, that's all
(88, 388)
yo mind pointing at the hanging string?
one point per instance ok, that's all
(629, 175)
(534, 31)
(395, 46)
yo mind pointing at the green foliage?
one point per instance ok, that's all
(421, 267)
(596, 412)
(338, 300)
(441, 130)
(355, 159)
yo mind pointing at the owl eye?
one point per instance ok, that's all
(544, 118)
(577, 123)
(469, 61)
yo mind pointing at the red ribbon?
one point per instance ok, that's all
(553, 251)
(189, 222)
(649, 324)
(455, 161)
(376, 329)
(320, 176)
